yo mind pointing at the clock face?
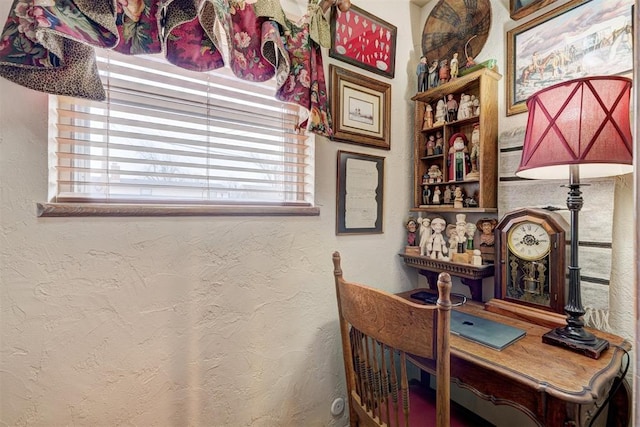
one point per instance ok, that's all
(529, 241)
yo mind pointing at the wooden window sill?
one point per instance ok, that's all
(121, 210)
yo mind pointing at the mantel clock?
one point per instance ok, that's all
(530, 259)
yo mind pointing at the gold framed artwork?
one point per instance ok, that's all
(520, 8)
(360, 193)
(579, 39)
(360, 108)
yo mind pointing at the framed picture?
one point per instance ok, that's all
(359, 194)
(360, 108)
(582, 38)
(363, 40)
(521, 8)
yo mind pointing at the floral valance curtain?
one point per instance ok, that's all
(48, 45)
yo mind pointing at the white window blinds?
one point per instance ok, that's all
(168, 135)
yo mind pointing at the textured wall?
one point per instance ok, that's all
(180, 321)
(189, 321)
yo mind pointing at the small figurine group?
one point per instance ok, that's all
(432, 242)
(435, 195)
(431, 195)
(437, 72)
(453, 242)
(434, 144)
(449, 110)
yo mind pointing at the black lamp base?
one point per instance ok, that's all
(592, 348)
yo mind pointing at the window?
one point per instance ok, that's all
(166, 136)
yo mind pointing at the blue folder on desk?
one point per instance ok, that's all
(484, 331)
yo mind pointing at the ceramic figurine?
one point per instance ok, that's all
(452, 108)
(428, 117)
(487, 238)
(412, 227)
(431, 145)
(471, 232)
(444, 72)
(477, 258)
(447, 195)
(452, 235)
(435, 174)
(461, 231)
(441, 112)
(436, 195)
(475, 102)
(465, 109)
(474, 154)
(433, 74)
(426, 195)
(486, 226)
(421, 72)
(459, 162)
(437, 247)
(453, 66)
(439, 143)
(425, 234)
(458, 198)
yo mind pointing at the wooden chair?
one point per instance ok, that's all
(379, 331)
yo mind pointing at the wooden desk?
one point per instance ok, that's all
(552, 385)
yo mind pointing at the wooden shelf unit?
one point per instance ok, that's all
(470, 275)
(483, 84)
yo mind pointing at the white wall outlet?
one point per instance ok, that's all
(337, 407)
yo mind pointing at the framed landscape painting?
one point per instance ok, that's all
(579, 39)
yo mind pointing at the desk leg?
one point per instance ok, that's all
(432, 278)
(619, 412)
(475, 285)
(560, 413)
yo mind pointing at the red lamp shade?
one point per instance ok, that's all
(581, 122)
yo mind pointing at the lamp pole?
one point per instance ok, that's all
(573, 308)
(573, 335)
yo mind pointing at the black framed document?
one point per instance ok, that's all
(360, 191)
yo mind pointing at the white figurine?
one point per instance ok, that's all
(458, 198)
(477, 257)
(461, 231)
(465, 109)
(475, 102)
(471, 232)
(425, 234)
(436, 195)
(454, 66)
(437, 247)
(441, 112)
(453, 238)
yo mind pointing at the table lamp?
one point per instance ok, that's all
(578, 129)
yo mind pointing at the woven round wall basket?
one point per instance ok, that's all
(453, 25)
